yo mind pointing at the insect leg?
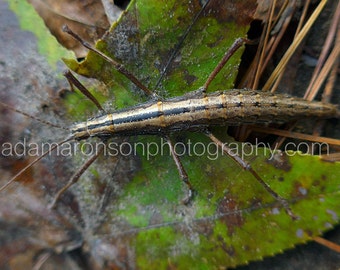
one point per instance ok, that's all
(74, 179)
(234, 47)
(119, 67)
(73, 81)
(182, 173)
(246, 166)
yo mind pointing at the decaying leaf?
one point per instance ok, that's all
(87, 18)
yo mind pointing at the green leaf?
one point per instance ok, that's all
(233, 219)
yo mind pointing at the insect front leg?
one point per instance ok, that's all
(75, 177)
(182, 173)
(73, 81)
(119, 67)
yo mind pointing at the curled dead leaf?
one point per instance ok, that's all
(87, 18)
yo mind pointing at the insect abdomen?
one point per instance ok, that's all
(233, 107)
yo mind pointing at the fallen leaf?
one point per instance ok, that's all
(87, 18)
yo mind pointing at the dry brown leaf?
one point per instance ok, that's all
(87, 18)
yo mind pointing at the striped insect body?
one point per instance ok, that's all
(232, 107)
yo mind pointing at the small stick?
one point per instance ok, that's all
(326, 243)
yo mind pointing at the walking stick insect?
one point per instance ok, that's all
(189, 113)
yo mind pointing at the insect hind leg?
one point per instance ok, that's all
(246, 166)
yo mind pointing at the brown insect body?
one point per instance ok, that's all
(233, 107)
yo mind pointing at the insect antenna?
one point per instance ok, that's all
(35, 161)
(33, 117)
